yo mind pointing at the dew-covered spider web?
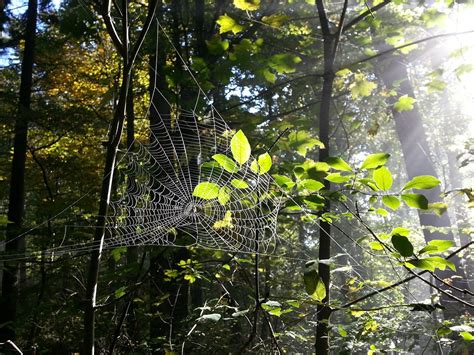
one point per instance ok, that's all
(184, 186)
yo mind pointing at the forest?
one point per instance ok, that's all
(236, 176)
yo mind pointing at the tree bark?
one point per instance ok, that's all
(14, 243)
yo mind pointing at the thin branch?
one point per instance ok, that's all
(323, 19)
(109, 24)
(401, 282)
(143, 32)
(339, 28)
(394, 49)
(362, 16)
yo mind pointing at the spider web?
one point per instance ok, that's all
(156, 204)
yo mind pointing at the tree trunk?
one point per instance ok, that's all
(14, 243)
(417, 156)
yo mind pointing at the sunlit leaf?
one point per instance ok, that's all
(311, 185)
(206, 190)
(314, 285)
(391, 202)
(228, 24)
(416, 201)
(338, 164)
(404, 103)
(383, 178)
(247, 5)
(422, 182)
(374, 161)
(239, 184)
(240, 147)
(226, 163)
(262, 165)
(361, 87)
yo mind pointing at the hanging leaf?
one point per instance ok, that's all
(262, 165)
(338, 178)
(422, 182)
(404, 103)
(383, 178)
(310, 185)
(402, 244)
(374, 161)
(338, 164)
(226, 163)
(224, 195)
(228, 24)
(239, 184)
(284, 63)
(391, 202)
(206, 190)
(313, 284)
(416, 201)
(361, 87)
(284, 181)
(247, 5)
(240, 147)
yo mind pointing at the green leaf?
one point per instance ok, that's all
(224, 195)
(284, 63)
(466, 336)
(226, 163)
(275, 20)
(228, 24)
(391, 202)
(376, 246)
(416, 201)
(373, 161)
(382, 212)
(311, 185)
(338, 178)
(420, 263)
(118, 252)
(441, 245)
(239, 184)
(342, 331)
(216, 46)
(422, 182)
(314, 285)
(404, 103)
(120, 292)
(240, 147)
(402, 245)
(440, 262)
(206, 190)
(383, 178)
(338, 164)
(302, 141)
(262, 165)
(361, 87)
(247, 5)
(284, 181)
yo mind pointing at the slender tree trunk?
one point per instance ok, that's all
(15, 244)
(418, 161)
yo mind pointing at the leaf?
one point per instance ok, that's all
(284, 181)
(226, 163)
(404, 103)
(374, 161)
(422, 182)
(402, 245)
(284, 63)
(302, 141)
(337, 178)
(338, 164)
(213, 317)
(311, 185)
(275, 20)
(383, 178)
(361, 87)
(342, 331)
(216, 46)
(376, 246)
(206, 190)
(441, 245)
(239, 184)
(120, 292)
(228, 24)
(225, 222)
(118, 252)
(314, 285)
(262, 165)
(224, 195)
(466, 336)
(240, 147)
(247, 5)
(391, 202)
(415, 201)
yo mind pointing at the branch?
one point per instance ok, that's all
(143, 32)
(323, 19)
(394, 49)
(109, 24)
(363, 15)
(339, 28)
(396, 284)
